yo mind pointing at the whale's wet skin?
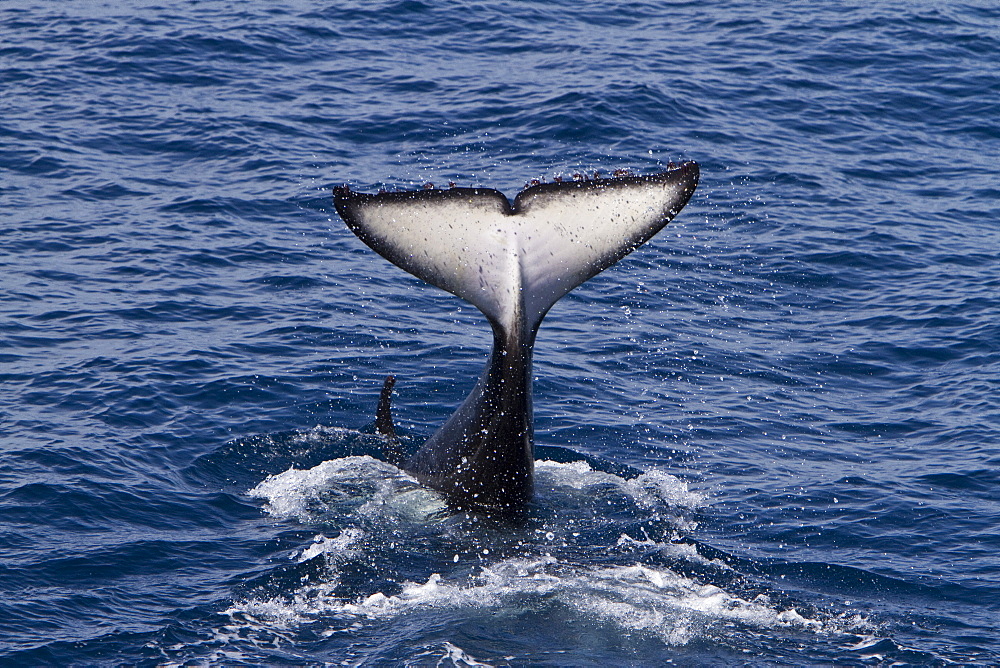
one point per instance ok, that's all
(513, 262)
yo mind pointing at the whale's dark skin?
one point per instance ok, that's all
(513, 261)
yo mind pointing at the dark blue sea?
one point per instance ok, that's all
(771, 436)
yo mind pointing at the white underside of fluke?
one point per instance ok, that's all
(498, 256)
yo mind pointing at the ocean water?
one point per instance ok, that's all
(771, 436)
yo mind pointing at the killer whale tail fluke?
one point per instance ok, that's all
(499, 255)
(513, 261)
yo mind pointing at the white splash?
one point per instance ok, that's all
(634, 598)
(340, 547)
(384, 489)
(676, 608)
(679, 550)
(370, 497)
(648, 490)
(446, 654)
(380, 487)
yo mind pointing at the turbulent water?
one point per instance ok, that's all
(770, 436)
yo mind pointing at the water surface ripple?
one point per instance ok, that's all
(767, 438)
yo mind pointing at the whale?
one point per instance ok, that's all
(513, 260)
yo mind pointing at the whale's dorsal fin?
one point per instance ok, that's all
(514, 261)
(392, 449)
(383, 414)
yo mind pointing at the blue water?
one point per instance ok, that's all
(769, 437)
